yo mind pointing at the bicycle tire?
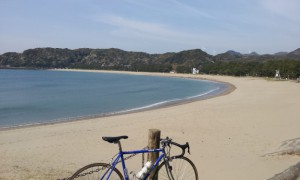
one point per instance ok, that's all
(181, 169)
(95, 171)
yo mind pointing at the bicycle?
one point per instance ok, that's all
(176, 167)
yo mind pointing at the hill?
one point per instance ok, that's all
(230, 62)
(253, 56)
(229, 56)
(103, 59)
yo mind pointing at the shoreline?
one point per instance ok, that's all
(234, 135)
(227, 90)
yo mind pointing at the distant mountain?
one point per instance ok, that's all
(234, 53)
(253, 64)
(193, 57)
(253, 56)
(115, 59)
(280, 54)
(229, 56)
(295, 53)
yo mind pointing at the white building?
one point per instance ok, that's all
(195, 71)
(277, 74)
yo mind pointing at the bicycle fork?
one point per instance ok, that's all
(169, 170)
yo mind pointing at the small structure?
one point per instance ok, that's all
(277, 75)
(195, 71)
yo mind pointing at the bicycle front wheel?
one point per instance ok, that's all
(178, 169)
(97, 171)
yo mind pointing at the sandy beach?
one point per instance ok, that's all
(231, 136)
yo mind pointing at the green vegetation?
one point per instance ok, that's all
(229, 63)
(288, 68)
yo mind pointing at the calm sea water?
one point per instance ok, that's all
(37, 96)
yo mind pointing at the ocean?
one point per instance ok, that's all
(29, 97)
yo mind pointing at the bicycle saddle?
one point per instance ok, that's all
(114, 139)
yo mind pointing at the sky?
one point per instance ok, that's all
(152, 26)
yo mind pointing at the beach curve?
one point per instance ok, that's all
(228, 134)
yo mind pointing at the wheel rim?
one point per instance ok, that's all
(96, 172)
(181, 169)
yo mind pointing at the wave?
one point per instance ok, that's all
(171, 101)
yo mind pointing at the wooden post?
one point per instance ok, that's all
(153, 143)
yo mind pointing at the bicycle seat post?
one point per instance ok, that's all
(120, 147)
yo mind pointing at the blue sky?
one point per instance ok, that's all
(153, 26)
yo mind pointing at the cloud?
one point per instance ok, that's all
(127, 30)
(156, 36)
(190, 9)
(171, 6)
(140, 26)
(285, 8)
(147, 29)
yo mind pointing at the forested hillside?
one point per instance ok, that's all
(228, 63)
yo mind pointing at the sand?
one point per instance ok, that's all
(230, 135)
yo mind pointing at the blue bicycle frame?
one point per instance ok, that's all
(121, 156)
